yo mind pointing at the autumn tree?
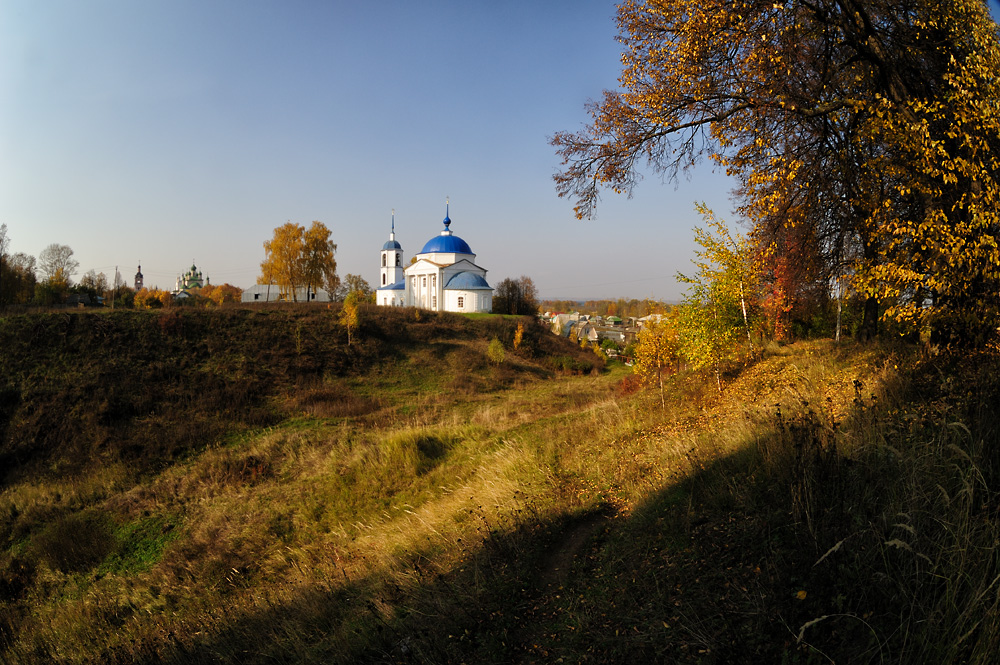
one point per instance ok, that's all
(873, 120)
(152, 298)
(219, 294)
(224, 293)
(283, 262)
(792, 283)
(296, 257)
(17, 279)
(516, 296)
(123, 296)
(357, 285)
(57, 265)
(725, 262)
(657, 347)
(56, 262)
(518, 335)
(95, 282)
(350, 315)
(145, 298)
(319, 267)
(17, 273)
(92, 284)
(714, 320)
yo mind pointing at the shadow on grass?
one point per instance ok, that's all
(796, 547)
(485, 611)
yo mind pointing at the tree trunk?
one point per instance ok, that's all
(869, 320)
(743, 304)
(659, 375)
(869, 317)
(840, 307)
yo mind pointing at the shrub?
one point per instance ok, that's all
(571, 364)
(629, 385)
(495, 352)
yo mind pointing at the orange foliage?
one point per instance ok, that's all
(153, 298)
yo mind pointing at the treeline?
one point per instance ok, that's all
(863, 136)
(48, 281)
(620, 307)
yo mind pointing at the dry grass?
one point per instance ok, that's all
(832, 500)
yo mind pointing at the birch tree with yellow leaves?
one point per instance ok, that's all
(877, 122)
(657, 348)
(714, 321)
(297, 257)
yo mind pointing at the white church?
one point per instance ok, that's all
(443, 278)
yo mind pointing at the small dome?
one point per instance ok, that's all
(391, 244)
(468, 281)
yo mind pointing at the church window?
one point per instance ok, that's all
(383, 260)
(461, 302)
(423, 282)
(434, 302)
(434, 281)
(383, 280)
(398, 259)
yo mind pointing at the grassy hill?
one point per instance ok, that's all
(243, 486)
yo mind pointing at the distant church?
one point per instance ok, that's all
(442, 278)
(192, 279)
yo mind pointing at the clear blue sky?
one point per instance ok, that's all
(168, 131)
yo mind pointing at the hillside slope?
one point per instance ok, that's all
(147, 387)
(407, 501)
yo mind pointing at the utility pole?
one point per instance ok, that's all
(114, 289)
(267, 274)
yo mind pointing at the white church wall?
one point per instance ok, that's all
(457, 300)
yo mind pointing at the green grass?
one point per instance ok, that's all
(139, 546)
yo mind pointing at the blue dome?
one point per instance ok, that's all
(446, 244)
(391, 244)
(467, 281)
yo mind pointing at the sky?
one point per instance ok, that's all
(168, 132)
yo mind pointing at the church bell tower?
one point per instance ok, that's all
(392, 258)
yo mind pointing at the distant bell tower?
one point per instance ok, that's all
(138, 278)
(392, 258)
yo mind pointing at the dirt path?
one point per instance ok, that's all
(559, 560)
(575, 541)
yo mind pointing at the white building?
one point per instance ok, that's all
(272, 293)
(443, 278)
